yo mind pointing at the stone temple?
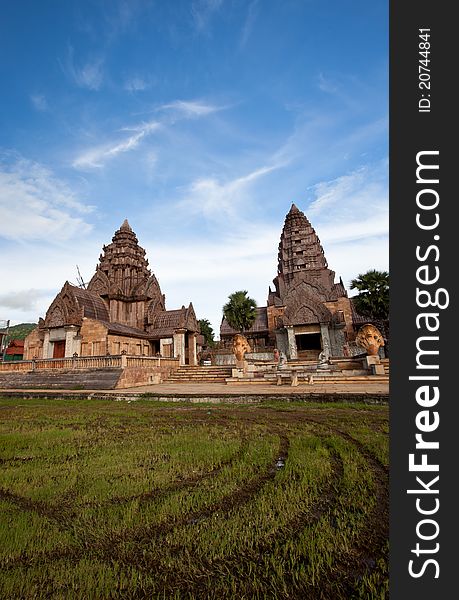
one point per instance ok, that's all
(307, 312)
(122, 311)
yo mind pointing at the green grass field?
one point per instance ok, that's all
(104, 499)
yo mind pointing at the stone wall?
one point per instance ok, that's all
(344, 305)
(132, 346)
(33, 345)
(93, 338)
(128, 313)
(137, 376)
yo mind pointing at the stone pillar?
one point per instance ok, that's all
(71, 332)
(293, 353)
(282, 341)
(179, 345)
(192, 351)
(326, 345)
(47, 346)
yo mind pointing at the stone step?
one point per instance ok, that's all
(91, 379)
(301, 381)
(199, 374)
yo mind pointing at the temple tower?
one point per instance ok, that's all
(124, 280)
(301, 256)
(309, 312)
(124, 263)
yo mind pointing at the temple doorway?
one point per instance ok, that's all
(308, 345)
(59, 349)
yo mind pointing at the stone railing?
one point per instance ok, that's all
(89, 362)
(148, 361)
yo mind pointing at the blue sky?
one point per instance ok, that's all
(200, 121)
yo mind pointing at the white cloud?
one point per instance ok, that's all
(249, 23)
(327, 85)
(191, 108)
(213, 199)
(33, 272)
(90, 75)
(39, 102)
(202, 11)
(353, 206)
(22, 300)
(34, 204)
(135, 84)
(96, 157)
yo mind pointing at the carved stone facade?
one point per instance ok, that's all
(122, 311)
(307, 312)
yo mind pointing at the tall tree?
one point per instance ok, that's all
(207, 331)
(373, 298)
(240, 311)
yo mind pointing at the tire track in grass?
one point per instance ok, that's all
(177, 485)
(338, 582)
(106, 550)
(349, 568)
(59, 511)
(110, 551)
(290, 531)
(58, 514)
(371, 543)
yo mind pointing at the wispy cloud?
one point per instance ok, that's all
(358, 201)
(327, 85)
(88, 75)
(252, 13)
(23, 300)
(95, 158)
(136, 84)
(39, 102)
(191, 108)
(214, 199)
(202, 12)
(35, 205)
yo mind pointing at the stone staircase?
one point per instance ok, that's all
(385, 363)
(198, 374)
(67, 379)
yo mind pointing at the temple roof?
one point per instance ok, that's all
(294, 209)
(125, 226)
(125, 330)
(260, 324)
(93, 306)
(166, 322)
(122, 269)
(299, 247)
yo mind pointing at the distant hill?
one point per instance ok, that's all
(21, 331)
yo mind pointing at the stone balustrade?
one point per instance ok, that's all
(90, 362)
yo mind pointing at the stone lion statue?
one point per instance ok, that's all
(370, 338)
(240, 347)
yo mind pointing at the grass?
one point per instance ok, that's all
(102, 500)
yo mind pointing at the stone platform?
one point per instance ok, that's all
(375, 393)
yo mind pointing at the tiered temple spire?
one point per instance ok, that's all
(299, 248)
(123, 261)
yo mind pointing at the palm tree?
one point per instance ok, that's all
(240, 311)
(207, 331)
(373, 298)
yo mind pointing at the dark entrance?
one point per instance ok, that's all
(308, 341)
(59, 349)
(308, 346)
